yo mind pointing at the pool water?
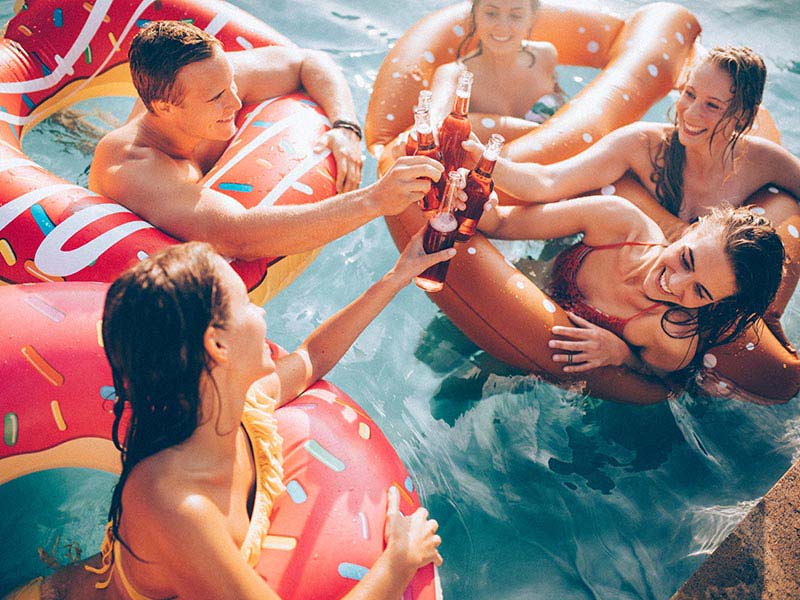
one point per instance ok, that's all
(540, 492)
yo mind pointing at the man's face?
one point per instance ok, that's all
(210, 101)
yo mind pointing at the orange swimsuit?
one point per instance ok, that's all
(261, 427)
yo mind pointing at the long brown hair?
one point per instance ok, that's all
(756, 254)
(154, 320)
(748, 75)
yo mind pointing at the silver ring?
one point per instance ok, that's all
(569, 358)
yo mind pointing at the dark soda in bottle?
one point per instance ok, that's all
(423, 101)
(440, 234)
(456, 126)
(427, 147)
(479, 186)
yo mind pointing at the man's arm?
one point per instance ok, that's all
(155, 188)
(275, 70)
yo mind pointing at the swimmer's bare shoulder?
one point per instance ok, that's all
(545, 53)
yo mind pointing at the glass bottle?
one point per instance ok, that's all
(440, 234)
(479, 186)
(456, 126)
(423, 101)
(427, 147)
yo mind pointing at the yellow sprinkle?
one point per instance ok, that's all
(113, 41)
(56, 410)
(363, 430)
(99, 326)
(7, 252)
(88, 6)
(25, 30)
(31, 268)
(403, 492)
(325, 174)
(279, 542)
(264, 163)
(325, 395)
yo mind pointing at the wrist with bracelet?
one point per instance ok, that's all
(350, 126)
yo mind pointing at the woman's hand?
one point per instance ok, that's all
(588, 346)
(411, 541)
(413, 259)
(346, 149)
(474, 149)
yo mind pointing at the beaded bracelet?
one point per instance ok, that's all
(354, 127)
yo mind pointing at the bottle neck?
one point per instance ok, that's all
(485, 166)
(460, 106)
(425, 139)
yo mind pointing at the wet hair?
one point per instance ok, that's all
(756, 254)
(473, 26)
(154, 321)
(157, 54)
(748, 75)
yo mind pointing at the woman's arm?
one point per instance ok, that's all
(602, 219)
(601, 164)
(320, 352)
(772, 163)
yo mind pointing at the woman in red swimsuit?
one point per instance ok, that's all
(637, 300)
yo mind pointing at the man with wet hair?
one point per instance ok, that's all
(190, 91)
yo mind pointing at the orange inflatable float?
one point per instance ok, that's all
(325, 531)
(492, 302)
(55, 54)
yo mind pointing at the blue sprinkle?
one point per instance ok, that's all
(142, 22)
(263, 124)
(351, 571)
(296, 492)
(45, 69)
(107, 392)
(309, 102)
(235, 187)
(42, 220)
(58, 17)
(409, 484)
(321, 454)
(31, 104)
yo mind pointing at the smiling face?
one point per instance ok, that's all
(209, 102)
(502, 25)
(702, 105)
(244, 329)
(693, 271)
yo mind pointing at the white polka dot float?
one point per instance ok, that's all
(549, 306)
(793, 231)
(593, 47)
(709, 361)
(653, 70)
(587, 137)
(390, 117)
(680, 38)
(458, 30)
(488, 122)
(608, 190)
(773, 190)
(428, 56)
(471, 250)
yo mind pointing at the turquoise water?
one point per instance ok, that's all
(540, 492)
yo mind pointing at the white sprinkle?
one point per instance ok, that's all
(665, 56)
(758, 210)
(488, 122)
(663, 40)
(141, 255)
(246, 44)
(653, 70)
(607, 190)
(772, 189)
(679, 37)
(607, 27)
(394, 60)
(750, 346)
(390, 117)
(458, 30)
(709, 361)
(688, 26)
(396, 74)
(520, 285)
(428, 55)
(626, 97)
(548, 306)
(303, 188)
(471, 250)
(587, 137)
(793, 231)
(424, 83)
(593, 47)
(581, 29)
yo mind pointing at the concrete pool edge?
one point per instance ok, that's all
(760, 558)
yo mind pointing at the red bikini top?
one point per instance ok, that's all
(564, 288)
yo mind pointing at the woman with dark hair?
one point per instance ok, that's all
(185, 344)
(705, 158)
(638, 300)
(514, 76)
